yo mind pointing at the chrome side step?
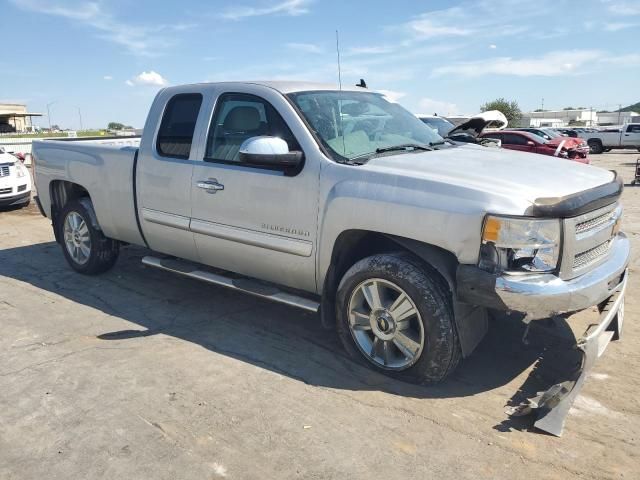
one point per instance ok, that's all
(243, 284)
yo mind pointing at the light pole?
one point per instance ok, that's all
(49, 113)
(80, 117)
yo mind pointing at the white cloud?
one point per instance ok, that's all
(287, 7)
(149, 78)
(306, 47)
(493, 46)
(549, 65)
(624, 7)
(392, 95)
(370, 50)
(430, 106)
(137, 39)
(616, 26)
(107, 77)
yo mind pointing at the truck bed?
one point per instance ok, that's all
(105, 167)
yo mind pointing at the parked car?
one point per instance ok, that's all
(529, 142)
(625, 136)
(555, 138)
(469, 131)
(15, 181)
(439, 124)
(399, 239)
(569, 132)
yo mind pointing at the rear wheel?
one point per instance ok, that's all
(395, 315)
(595, 147)
(84, 245)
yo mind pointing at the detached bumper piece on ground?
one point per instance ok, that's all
(552, 406)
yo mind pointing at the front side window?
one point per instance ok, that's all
(513, 139)
(633, 128)
(356, 124)
(178, 124)
(238, 117)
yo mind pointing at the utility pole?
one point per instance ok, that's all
(80, 116)
(542, 105)
(619, 112)
(591, 122)
(49, 113)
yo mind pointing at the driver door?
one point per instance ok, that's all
(255, 221)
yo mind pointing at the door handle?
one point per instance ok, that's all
(211, 185)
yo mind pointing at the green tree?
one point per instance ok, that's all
(115, 126)
(510, 109)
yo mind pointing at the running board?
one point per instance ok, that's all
(243, 284)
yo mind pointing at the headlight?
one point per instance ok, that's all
(515, 245)
(21, 170)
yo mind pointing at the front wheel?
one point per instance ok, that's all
(84, 245)
(595, 147)
(395, 314)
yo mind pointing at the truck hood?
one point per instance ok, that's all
(512, 174)
(7, 158)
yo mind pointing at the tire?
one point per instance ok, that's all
(99, 253)
(595, 147)
(434, 351)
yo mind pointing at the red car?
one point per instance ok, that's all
(529, 142)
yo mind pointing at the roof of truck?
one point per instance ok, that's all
(290, 86)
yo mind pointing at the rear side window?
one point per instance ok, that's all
(633, 128)
(178, 124)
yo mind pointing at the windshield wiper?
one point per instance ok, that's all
(435, 144)
(405, 146)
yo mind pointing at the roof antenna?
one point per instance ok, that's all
(338, 52)
(344, 146)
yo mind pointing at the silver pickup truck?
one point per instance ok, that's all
(625, 136)
(342, 203)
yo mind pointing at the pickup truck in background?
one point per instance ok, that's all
(341, 203)
(625, 136)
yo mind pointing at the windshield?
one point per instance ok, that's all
(440, 124)
(356, 124)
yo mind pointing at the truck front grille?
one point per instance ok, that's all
(588, 240)
(592, 255)
(594, 223)
(5, 190)
(22, 188)
(4, 171)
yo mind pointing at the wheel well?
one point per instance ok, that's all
(594, 140)
(354, 245)
(62, 192)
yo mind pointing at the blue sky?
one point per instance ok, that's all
(109, 58)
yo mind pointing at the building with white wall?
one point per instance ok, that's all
(15, 118)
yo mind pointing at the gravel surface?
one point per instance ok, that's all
(141, 374)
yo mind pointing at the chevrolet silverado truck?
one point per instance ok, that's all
(339, 202)
(625, 136)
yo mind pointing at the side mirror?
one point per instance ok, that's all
(267, 151)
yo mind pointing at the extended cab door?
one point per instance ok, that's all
(165, 169)
(255, 221)
(631, 136)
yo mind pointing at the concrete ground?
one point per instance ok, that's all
(140, 374)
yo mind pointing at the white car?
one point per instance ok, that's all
(15, 181)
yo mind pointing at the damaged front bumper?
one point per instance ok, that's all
(547, 296)
(544, 295)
